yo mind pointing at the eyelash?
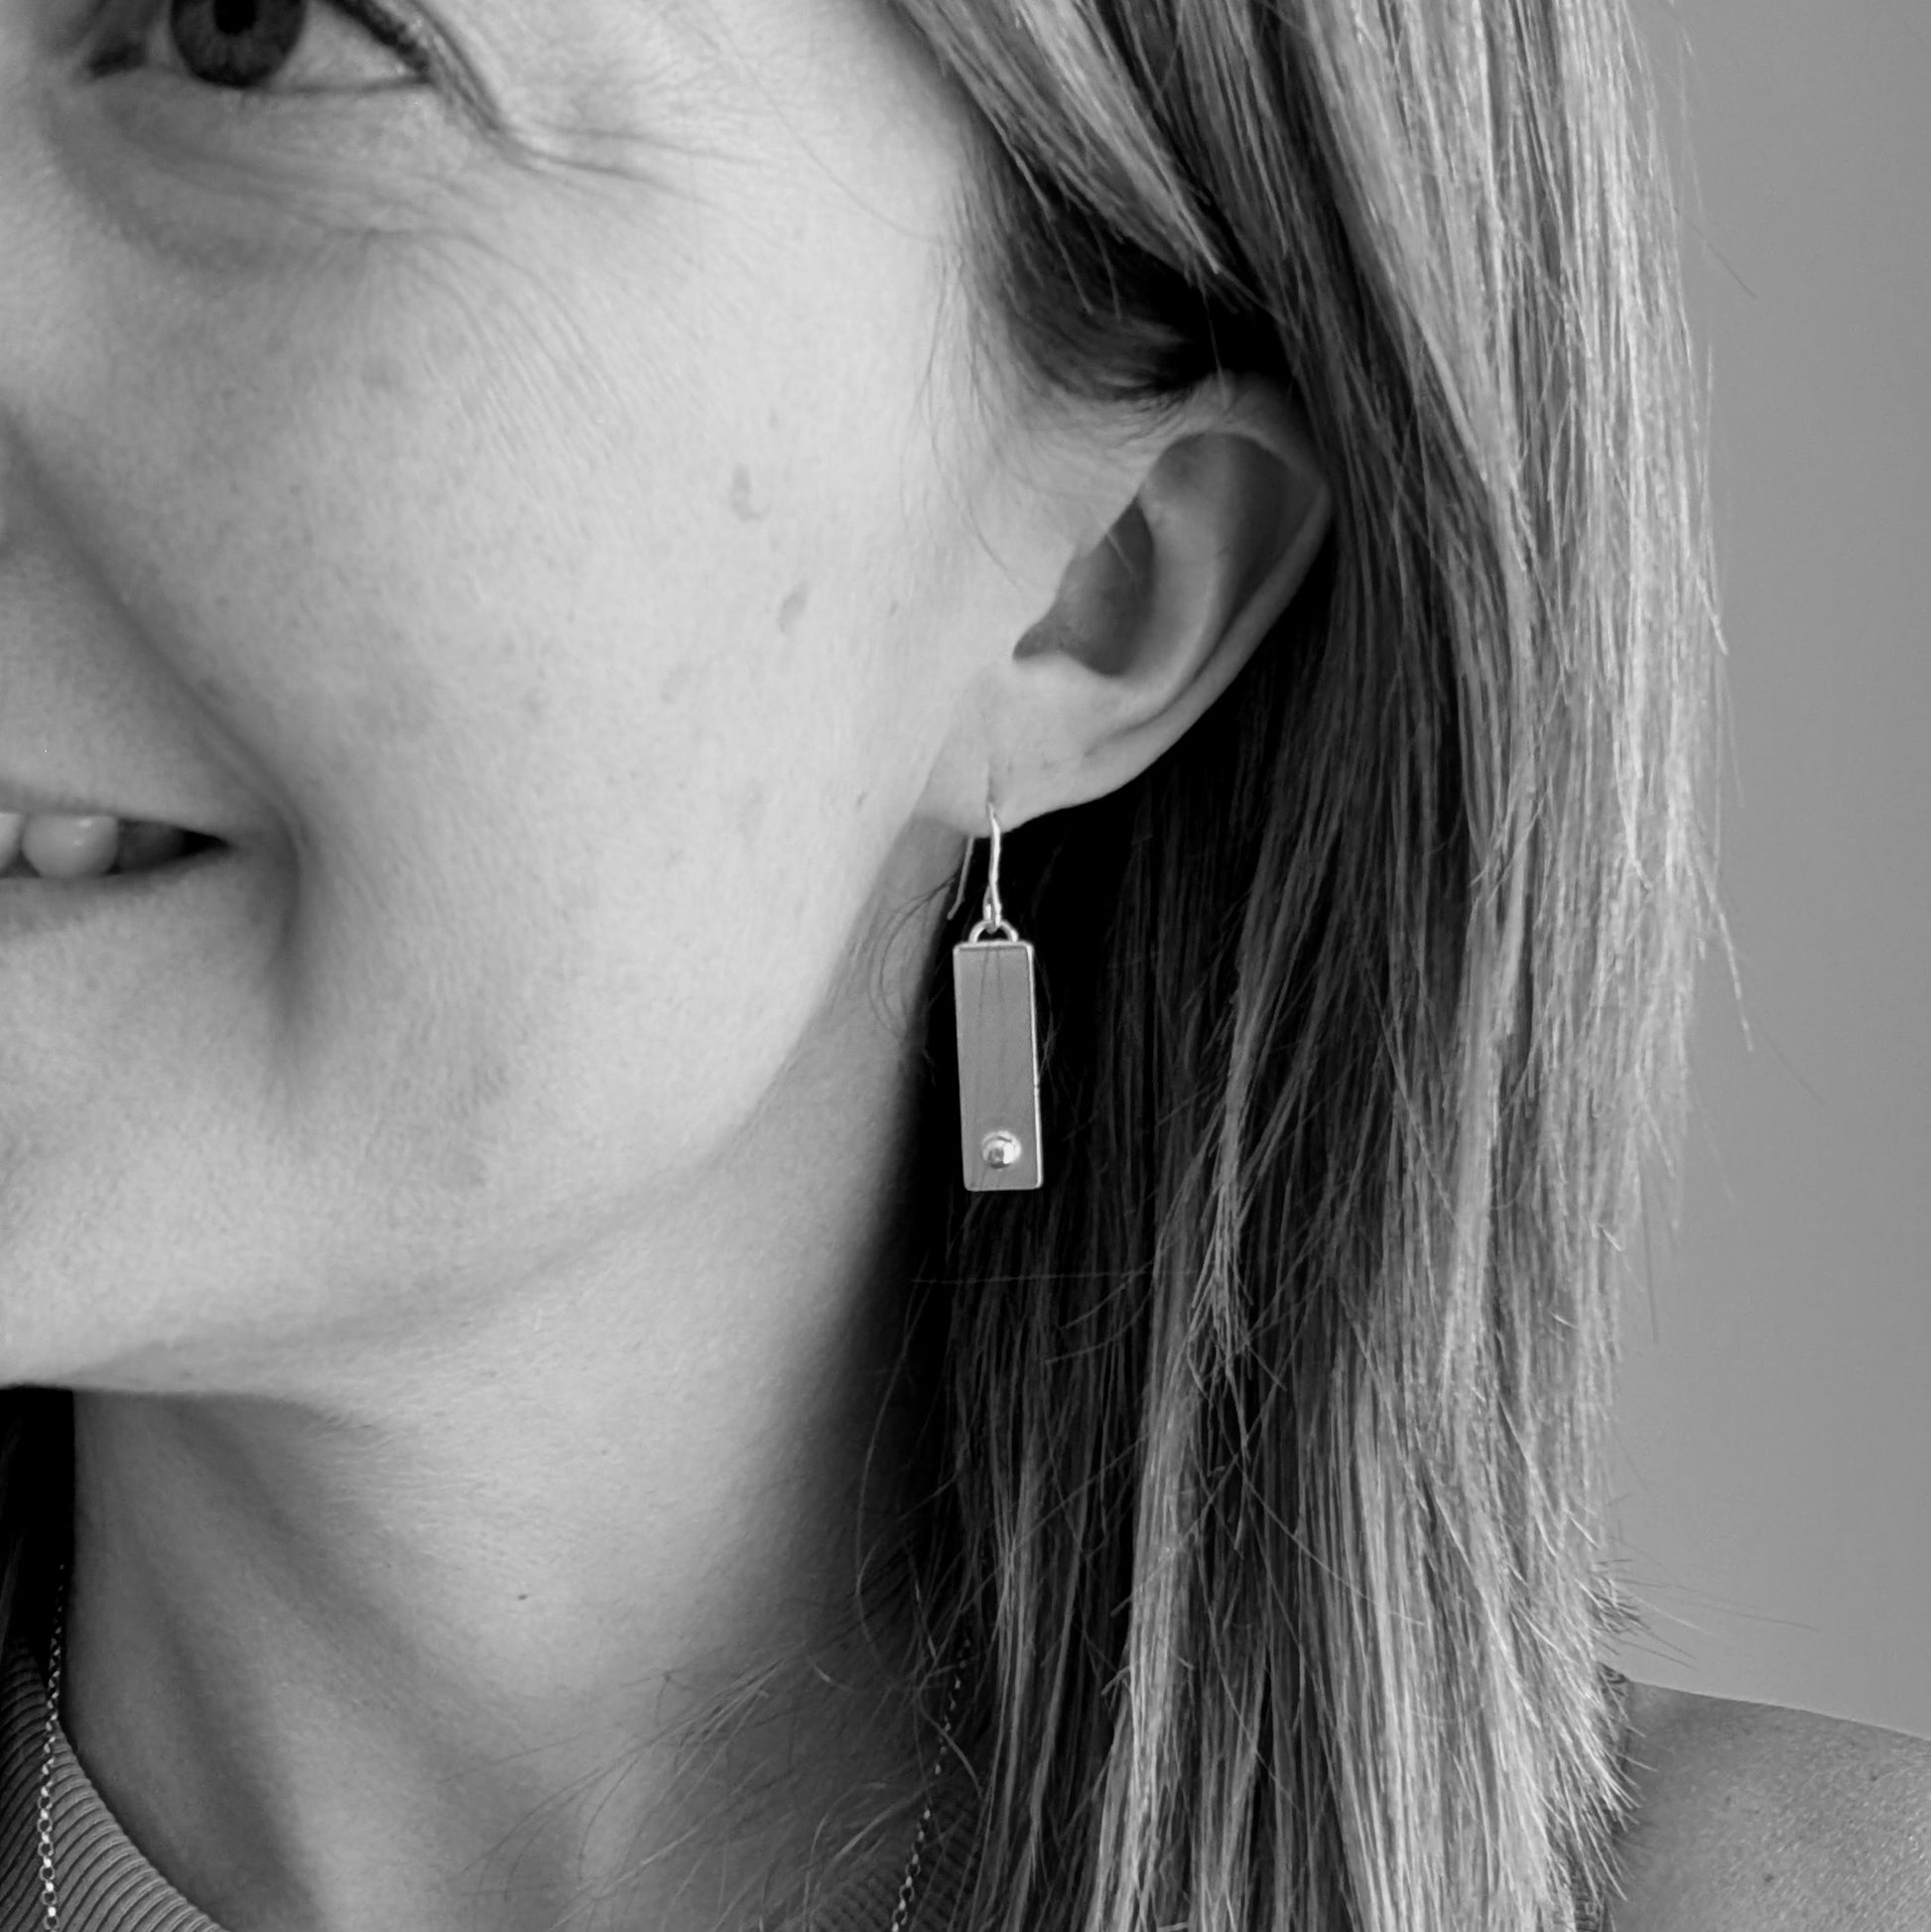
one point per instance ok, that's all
(414, 44)
(399, 35)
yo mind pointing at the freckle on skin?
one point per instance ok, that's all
(750, 811)
(672, 689)
(397, 713)
(792, 608)
(740, 497)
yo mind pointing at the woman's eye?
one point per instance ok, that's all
(250, 48)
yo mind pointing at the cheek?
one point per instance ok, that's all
(625, 709)
(573, 620)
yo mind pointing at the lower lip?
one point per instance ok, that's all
(31, 907)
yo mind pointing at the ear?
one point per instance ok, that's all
(1226, 508)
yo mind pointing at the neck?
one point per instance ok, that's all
(544, 1603)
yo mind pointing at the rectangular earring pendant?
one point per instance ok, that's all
(998, 1064)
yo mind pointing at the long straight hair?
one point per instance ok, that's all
(1263, 1480)
(1266, 1468)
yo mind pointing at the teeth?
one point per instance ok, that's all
(54, 846)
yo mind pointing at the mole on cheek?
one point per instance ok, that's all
(751, 808)
(792, 608)
(740, 497)
(382, 375)
(396, 712)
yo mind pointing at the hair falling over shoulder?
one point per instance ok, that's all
(1268, 1481)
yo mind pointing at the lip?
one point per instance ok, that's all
(31, 908)
(35, 802)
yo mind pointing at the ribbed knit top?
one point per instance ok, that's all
(106, 1884)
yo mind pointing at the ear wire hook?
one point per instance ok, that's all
(992, 917)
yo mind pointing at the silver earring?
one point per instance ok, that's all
(999, 1047)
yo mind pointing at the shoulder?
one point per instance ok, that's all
(1760, 1816)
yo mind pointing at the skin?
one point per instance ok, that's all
(1761, 1818)
(575, 569)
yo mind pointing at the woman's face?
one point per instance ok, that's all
(556, 560)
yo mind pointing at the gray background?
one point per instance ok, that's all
(1775, 1459)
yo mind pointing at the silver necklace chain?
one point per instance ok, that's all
(908, 1886)
(48, 1894)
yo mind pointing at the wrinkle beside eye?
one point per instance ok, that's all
(622, 90)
